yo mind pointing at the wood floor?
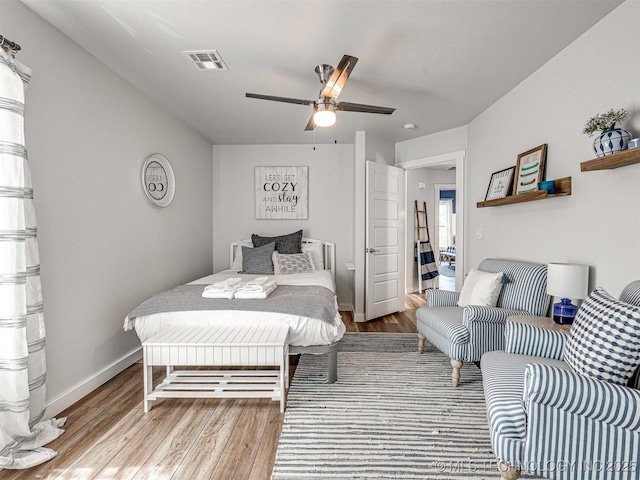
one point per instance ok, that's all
(108, 436)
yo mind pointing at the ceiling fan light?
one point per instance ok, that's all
(324, 118)
(325, 115)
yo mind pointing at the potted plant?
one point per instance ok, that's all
(612, 139)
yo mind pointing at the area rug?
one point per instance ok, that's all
(392, 414)
(446, 270)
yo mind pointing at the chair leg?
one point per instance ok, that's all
(507, 472)
(420, 343)
(455, 374)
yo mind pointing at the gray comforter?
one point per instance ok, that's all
(305, 301)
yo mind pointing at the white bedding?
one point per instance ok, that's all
(303, 331)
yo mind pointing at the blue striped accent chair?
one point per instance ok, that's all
(465, 333)
(547, 420)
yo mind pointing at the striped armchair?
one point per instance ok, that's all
(546, 419)
(465, 333)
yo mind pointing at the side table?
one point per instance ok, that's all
(542, 322)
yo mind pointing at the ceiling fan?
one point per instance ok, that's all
(325, 107)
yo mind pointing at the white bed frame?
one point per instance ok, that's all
(329, 257)
(328, 254)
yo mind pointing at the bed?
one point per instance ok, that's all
(313, 331)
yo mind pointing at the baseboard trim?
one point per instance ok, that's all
(346, 307)
(64, 401)
(359, 317)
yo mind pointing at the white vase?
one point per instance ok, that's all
(611, 141)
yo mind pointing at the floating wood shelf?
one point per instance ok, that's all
(563, 189)
(616, 160)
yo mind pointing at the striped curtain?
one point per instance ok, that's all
(22, 334)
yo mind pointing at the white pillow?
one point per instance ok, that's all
(237, 259)
(481, 288)
(314, 251)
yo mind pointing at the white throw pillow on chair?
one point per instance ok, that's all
(481, 288)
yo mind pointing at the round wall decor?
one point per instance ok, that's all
(158, 182)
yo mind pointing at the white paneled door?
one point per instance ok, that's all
(385, 242)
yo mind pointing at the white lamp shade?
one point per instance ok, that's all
(566, 280)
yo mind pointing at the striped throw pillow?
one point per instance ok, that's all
(605, 339)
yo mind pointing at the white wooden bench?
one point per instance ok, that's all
(238, 346)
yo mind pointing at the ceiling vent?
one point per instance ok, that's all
(207, 60)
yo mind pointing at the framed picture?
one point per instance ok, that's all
(530, 169)
(282, 193)
(500, 184)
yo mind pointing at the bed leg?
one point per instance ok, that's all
(332, 374)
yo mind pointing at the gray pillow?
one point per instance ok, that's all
(258, 259)
(291, 243)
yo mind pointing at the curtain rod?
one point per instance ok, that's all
(6, 43)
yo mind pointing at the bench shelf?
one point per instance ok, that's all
(234, 347)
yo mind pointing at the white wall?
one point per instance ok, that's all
(103, 247)
(379, 150)
(439, 143)
(429, 177)
(599, 225)
(331, 199)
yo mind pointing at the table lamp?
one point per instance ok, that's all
(567, 281)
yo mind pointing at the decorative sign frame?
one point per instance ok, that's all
(158, 181)
(530, 170)
(282, 193)
(501, 184)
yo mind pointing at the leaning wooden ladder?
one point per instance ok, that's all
(422, 224)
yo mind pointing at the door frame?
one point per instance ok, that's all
(458, 157)
(437, 188)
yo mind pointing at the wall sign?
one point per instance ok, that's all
(282, 193)
(158, 182)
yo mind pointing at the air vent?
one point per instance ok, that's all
(207, 60)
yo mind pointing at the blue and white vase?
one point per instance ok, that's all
(611, 141)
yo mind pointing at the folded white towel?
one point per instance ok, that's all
(255, 295)
(247, 287)
(258, 281)
(229, 282)
(219, 293)
(224, 289)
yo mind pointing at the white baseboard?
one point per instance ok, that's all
(70, 397)
(346, 307)
(359, 317)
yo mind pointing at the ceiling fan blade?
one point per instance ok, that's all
(310, 125)
(340, 75)
(359, 107)
(279, 99)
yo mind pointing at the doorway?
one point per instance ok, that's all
(450, 162)
(445, 234)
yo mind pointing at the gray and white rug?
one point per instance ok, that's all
(393, 414)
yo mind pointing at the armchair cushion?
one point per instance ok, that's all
(481, 288)
(503, 380)
(605, 339)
